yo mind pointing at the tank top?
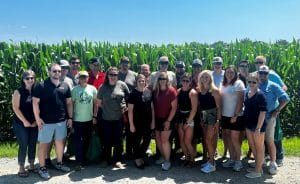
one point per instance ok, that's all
(206, 101)
(184, 102)
(26, 105)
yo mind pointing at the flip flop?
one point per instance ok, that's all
(23, 174)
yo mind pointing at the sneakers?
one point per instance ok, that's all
(166, 165)
(249, 170)
(273, 168)
(229, 163)
(44, 173)
(60, 166)
(120, 165)
(160, 161)
(237, 166)
(203, 165)
(252, 164)
(253, 175)
(279, 162)
(208, 168)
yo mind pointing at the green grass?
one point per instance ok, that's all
(291, 148)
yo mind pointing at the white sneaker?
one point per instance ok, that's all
(273, 168)
(160, 161)
(166, 165)
(253, 175)
(208, 168)
(237, 166)
(229, 163)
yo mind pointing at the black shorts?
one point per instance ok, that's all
(159, 124)
(239, 125)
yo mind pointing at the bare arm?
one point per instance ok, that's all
(16, 107)
(239, 105)
(130, 117)
(261, 118)
(70, 112)
(36, 111)
(194, 103)
(95, 110)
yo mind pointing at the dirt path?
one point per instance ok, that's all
(289, 173)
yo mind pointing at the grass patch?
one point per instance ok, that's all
(291, 148)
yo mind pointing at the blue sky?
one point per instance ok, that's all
(154, 21)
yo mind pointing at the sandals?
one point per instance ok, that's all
(33, 170)
(23, 174)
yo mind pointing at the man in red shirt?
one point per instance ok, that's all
(96, 77)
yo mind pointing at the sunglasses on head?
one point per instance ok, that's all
(29, 78)
(263, 73)
(252, 82)
(56, 71)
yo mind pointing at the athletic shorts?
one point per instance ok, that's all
(56, 131)
(160, 126)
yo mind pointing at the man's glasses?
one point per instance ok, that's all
(259, 62)
(56, 71)
(243, 66)
(263, 73)
(164, 62)
(75, 63)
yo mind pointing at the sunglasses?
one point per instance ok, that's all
(162, 79)
(164, 62)
(217, 63)
(125, 62)
(197, 66)
(252, 82)
(56, 71)
(187, 81)
(65, 68)
(243, 66)
(29, 78)
(259, 62)
(179, 66)
(112, 75)
(77, 63)
(263, 73)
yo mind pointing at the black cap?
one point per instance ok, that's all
(94, 60)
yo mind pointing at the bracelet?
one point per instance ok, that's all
(217, 120)
(257, 129)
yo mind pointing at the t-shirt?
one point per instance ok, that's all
(230, 97)
(69, 81)
(253, 106)
(96, 81)
(128, 78)
(141, 100)
(154, 76)
(113, 100)
(162, 102)
(53, 106)
(83, 99)
(218, 78)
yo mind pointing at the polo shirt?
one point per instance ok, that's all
(53, 106)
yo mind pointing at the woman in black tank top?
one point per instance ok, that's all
(187, 107)
(209, 101)
(24, 123)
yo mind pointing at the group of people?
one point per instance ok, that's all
(169, 105)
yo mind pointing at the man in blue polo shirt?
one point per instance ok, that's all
(273, 93)
(53, 110)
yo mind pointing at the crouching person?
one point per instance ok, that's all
(52, 107)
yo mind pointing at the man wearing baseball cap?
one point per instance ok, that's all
(96, 77)
(218, 72)
(180, 71)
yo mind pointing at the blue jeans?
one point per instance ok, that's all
(26, 138)
(112, 137)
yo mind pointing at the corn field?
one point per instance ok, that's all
(282, 56)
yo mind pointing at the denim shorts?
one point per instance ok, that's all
(58, 131)
(270, 130)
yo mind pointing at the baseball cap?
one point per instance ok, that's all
(179, 64)
(264, 68)
(63, 63)
(94, 60)
(197, 62)
(163, 59)
(83, 73)
(217, 60)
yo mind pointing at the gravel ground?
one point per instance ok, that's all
(288, 173)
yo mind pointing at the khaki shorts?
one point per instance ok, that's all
(270, 130)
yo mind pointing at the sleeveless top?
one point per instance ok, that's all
(25, 105)
(184, 102)
(206, 101)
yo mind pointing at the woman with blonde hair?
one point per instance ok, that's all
(210, 114)
(165, 105)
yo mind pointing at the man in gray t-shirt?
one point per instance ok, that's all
(126, 75)
(218, 73)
